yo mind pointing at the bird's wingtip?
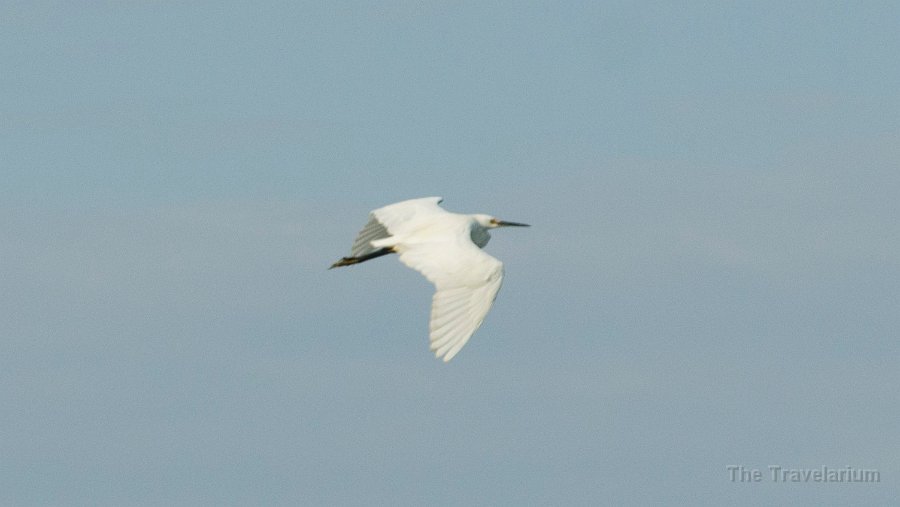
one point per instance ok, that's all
(443, 357)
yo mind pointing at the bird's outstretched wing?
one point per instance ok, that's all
(392, 220)
(467, 281)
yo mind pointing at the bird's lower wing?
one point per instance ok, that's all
(457, 312)
(467, 281)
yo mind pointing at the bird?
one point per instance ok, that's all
(447, 249)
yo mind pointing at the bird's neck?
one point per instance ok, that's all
(479, 234)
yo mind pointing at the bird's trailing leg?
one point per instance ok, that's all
(346, 261)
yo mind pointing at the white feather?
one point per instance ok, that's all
(446, 248)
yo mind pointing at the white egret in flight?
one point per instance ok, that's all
(446, 248)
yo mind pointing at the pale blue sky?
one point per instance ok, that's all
(712, 276)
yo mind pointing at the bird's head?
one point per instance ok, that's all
(489, 222)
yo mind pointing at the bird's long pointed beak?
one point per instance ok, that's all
(503, 223)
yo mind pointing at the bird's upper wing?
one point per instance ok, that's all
(400, 216)
(373, 230)
(391, 220)
(467, 281)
